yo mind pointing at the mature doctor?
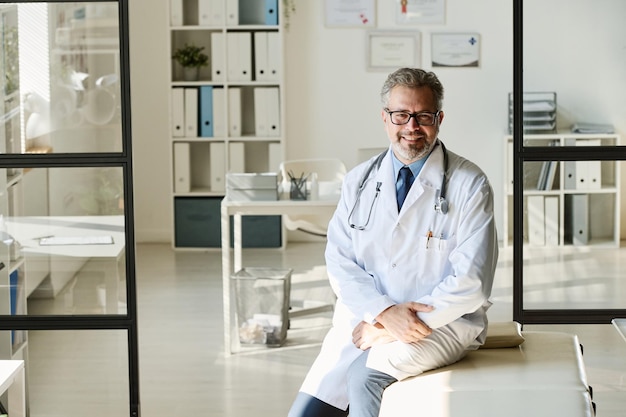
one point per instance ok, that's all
(412, 277)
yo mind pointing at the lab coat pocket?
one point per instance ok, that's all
(434, 252)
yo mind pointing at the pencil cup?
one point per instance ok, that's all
(298, 189)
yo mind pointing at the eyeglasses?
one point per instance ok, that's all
(424, 118)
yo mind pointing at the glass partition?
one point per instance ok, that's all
(565, 207)
(67, 292)
(69, 78)
(78, 373)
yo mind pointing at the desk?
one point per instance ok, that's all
(251, 208)
(620, 326)
(67, 260)
(12, 380)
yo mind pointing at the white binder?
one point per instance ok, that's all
(234, 111)
(178, 112)
(219, 113)
(232, 12)
(275, 157)
(239, 58)
(551, 212)
(261, 56)
(260, 112)
(182, 169)
(588, 173)
(176, 12)
(236, 157)
(273, 111)
(536, 222)
(218, 166)
(273, 56)
(210, 12)
(218, 66)
(579, 219)
(191, 112)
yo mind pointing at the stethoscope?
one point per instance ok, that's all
(441, 204)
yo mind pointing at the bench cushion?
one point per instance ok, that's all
(544, 372)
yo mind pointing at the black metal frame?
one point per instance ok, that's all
(122, 160)
(523, 154)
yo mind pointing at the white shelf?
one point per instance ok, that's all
(247, 108)
(583, 198)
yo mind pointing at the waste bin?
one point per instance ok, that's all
(262, 305)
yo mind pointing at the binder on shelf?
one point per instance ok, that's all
(191, 112)
(261, 55)
(182, 168)
(536, 222)
(551, 212)
(176, 12)
(236, 157)
(206, 111)
(274, 157)
(260, 112)
(217, 161)
(239, 59)
(210, 12)
(232, 12)
(234, 111)
(551, 175)
(588, 173)
(273, 111)
(218, 51)
(579, 219)
(178, 112)
(219, 112)
(271, 12)
(273, 56)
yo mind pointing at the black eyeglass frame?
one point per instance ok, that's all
(414, 116)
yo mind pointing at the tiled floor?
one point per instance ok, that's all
(184, 371)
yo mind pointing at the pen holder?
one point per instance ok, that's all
(297, 190)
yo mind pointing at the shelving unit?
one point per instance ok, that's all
(566, 203)
(231, 119)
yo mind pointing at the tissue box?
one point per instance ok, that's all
(252, 186)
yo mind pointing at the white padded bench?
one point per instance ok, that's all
(542, 377)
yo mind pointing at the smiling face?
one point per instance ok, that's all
(411, 141)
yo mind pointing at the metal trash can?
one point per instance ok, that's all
(262, 305)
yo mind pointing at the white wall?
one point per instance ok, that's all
(333, 101)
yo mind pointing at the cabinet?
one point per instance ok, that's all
(229, 115)
(566, 203)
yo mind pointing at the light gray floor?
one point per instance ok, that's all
(184, 371)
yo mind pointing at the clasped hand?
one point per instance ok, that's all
(398, 322)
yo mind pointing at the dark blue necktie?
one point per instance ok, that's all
(407, 179)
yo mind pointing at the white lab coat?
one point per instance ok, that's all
(393, 261)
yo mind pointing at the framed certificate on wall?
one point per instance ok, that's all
(350, 13)
(388, 50)
(455, 49)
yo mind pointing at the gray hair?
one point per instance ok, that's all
(412, 78)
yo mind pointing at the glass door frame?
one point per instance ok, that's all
(126, 322)
(522, 154)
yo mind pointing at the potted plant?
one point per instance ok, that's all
(191, 58)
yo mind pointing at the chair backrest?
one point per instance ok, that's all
(330, 173)
(327, 169)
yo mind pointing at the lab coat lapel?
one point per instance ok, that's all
(388, 188)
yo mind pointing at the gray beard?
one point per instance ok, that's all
(412, 154)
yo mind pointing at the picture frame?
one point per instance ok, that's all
(350, 13)
(389, 50)
(412, 12)
(459, 50)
